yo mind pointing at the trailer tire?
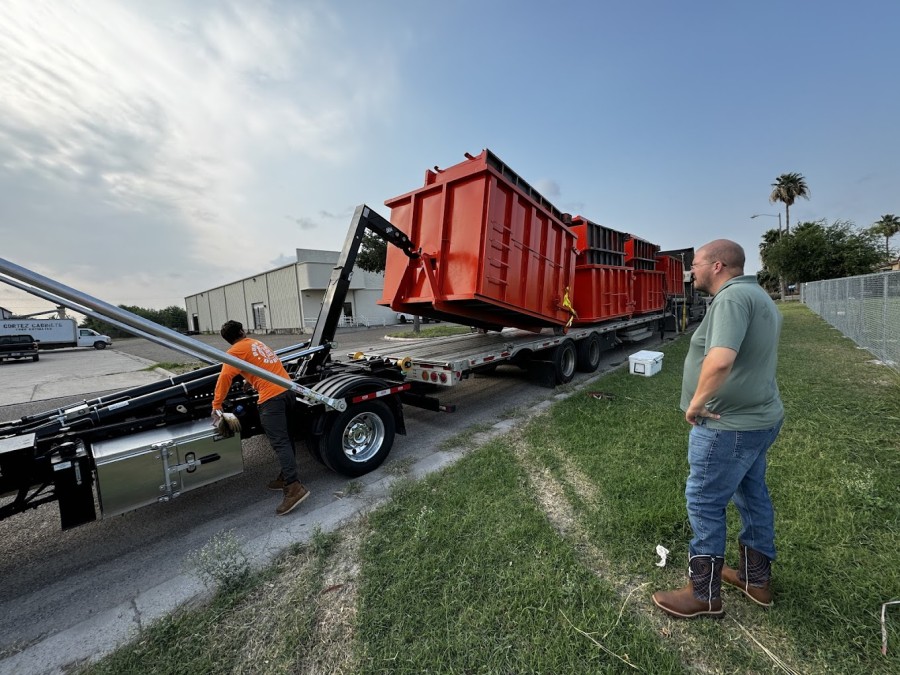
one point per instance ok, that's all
(357, 440)
(589, 351)
(564, 360)
(99, 345)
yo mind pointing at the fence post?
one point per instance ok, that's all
(884, 320)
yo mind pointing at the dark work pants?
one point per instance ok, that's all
(273, 415)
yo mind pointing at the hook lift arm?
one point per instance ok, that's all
(333, 305)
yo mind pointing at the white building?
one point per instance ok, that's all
(288, 299)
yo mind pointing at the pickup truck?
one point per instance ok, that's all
(18, 347)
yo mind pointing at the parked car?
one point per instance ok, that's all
(402, 317)
(18, 347)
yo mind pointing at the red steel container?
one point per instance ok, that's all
(639, 253)
(495, 253)
(673, 275)
(598, 245)
(602, 292)
(647, 291)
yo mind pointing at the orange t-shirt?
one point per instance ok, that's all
(255, 352)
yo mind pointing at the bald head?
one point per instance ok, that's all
(728, 252)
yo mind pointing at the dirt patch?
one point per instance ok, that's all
(331, 647)
(550, 495)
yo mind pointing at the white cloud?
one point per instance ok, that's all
(159, 120)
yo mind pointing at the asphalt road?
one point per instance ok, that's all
(71, 595)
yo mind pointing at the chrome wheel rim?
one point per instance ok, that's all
(363, 437)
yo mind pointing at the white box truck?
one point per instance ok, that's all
(55, 333)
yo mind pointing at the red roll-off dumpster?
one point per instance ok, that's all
(495, 253)
(597, 244)
(602, 292)
(640, 253)
(673, 275)
(647, 291)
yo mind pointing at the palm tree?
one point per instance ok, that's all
(786, 189)
(887, 227)
(770, 238)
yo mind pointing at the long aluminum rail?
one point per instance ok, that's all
(73, 298)
(96, 315)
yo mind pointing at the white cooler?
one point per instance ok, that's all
(645, 363)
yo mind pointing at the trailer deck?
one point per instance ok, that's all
(447, 361)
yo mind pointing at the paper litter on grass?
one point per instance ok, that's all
(662, 552)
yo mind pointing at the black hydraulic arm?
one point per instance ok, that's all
(333, 305)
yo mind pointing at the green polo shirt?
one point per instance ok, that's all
(741, 317)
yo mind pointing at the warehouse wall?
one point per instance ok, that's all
(287, 299)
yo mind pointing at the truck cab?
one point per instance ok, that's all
(91, 338)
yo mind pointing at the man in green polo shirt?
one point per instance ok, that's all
(730, 398)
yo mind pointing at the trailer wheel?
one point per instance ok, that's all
(589, 353)
(359, 439)
(564, 359)
(99, 345)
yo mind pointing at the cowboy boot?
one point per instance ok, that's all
(702, 595)
(752, 576)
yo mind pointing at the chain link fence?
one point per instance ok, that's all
(866, 309)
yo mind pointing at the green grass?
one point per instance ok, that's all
(535, 553)
(436, 331)
(176, 368)
(463, 573)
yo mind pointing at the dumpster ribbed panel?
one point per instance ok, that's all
(602, 292)
(495, 252)
(639, 253)
(647, 291)
(673, 275)
(597, 244)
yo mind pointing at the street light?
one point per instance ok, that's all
(770, 215)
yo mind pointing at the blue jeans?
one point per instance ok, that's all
(728, 465)
(273, 415)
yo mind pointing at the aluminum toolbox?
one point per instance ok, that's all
(495, 252)
(156, 465)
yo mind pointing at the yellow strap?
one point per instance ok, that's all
(567, 305)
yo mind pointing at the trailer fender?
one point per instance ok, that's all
(357, 440)
(349, 385)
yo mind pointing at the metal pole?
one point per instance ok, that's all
(176, 340)
(91, 313)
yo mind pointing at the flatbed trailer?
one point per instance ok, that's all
(449, 360)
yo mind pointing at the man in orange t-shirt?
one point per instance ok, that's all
(274, 404)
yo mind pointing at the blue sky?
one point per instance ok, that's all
(149, 151)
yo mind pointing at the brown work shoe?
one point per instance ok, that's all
(294, 493)
(277, 484)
